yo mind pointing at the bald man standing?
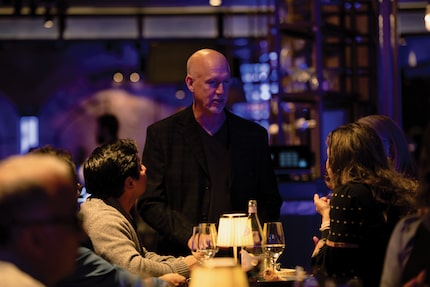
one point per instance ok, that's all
(205, 161)
(39, 228)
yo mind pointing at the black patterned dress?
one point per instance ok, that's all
(357, 238)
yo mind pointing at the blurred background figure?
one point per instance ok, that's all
(395, 143)
(107, 129)
(39, 228)
(407, 259)
(106, 132)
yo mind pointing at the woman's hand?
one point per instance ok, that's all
(322, 206)
(319, 243)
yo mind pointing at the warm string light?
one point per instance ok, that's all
(119, 77)
(48, 21)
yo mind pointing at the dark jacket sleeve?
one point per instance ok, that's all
(154, 206)
(92, 270)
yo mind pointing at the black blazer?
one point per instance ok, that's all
(177, 176)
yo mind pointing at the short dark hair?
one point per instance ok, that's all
(60, 153)
(108, 166)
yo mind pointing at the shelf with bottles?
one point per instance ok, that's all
(326, 47)
(260, 82)
(333, 15)
(299, 73)
(330, 99)
(326, 65)
(298, 122)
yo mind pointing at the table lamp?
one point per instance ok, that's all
(232, 231)
(218, 272)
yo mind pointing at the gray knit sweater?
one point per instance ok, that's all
(114, 237)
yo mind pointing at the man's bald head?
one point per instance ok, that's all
(202, 59)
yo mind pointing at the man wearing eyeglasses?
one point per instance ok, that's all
(39, 230)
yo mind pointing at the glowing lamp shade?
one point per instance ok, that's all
(427, 18)
(232, 230)
(219, 272)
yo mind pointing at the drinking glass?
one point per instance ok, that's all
(203, 244)
(273, 242)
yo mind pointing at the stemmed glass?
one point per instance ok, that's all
(273, 242)
(203, 244)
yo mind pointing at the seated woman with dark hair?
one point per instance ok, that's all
(369, 197)
(395, 143)
(407, 261)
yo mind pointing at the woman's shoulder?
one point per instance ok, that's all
(354, 187)
(354, 191)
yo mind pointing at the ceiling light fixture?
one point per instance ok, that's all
(49, 23)
(48, 20)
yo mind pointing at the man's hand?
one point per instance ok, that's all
(174, 279)
(191, 261)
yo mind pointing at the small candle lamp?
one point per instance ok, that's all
(218, 272)
(232, 231)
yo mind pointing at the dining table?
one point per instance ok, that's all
(280, 283)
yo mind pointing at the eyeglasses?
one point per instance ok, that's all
(74, 222)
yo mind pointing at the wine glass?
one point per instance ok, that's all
(273, 242)
(203, 243)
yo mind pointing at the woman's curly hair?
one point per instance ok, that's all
(356, 154)
(423, 194)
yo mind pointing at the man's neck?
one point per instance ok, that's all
(210, 123)
(127, 202)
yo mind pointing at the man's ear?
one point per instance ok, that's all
(189, 81)
(129, 182)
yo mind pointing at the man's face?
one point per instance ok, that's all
(211, 93)
(64, 234)
(141, 182)
(46, 235)
(210, 84)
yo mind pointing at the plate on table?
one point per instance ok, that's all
(286, 274)
(282, 283)
(281, 276)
